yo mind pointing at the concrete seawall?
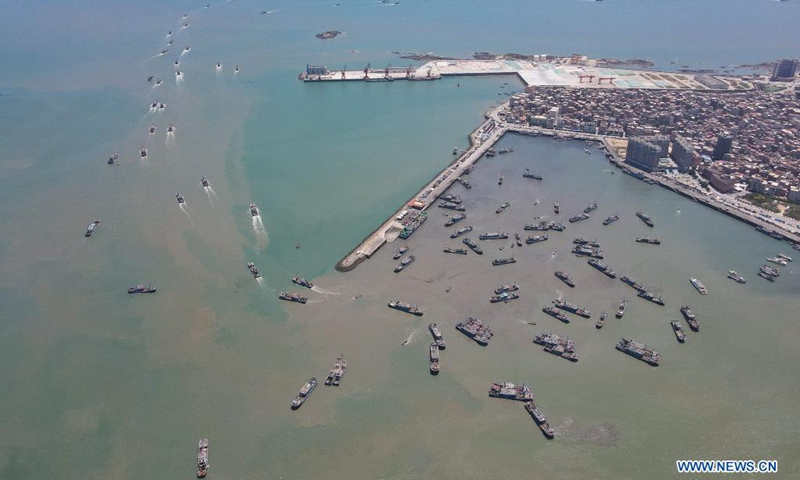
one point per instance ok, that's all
(391, 228)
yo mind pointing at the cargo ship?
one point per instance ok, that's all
(651, 241)
(771, 271)
(406, 307)
(576, 309)
(503, 261)
(560, 351)
(540, 419)
(579, 218)
(699, 286)
(510, 391)
(611, 219)
(332, 374)
(623, 305)
(434, 352)
(304, 393)
(92, 227)
(404, 263)
(564, 278)
(302, 282)
(493, 236)
(476, 330)
(449, 197)
(680, 335)
(506, 288)
(502, 207)
(651, 297)
(541, 226)
(736, 277)
(536, 239)
(646, 219)
(451, 206)
(690, 317)
(461, 231)
(632, 283)
(777, 261)
(588, 243)
(605, 269)
(458, 251)
(202, 458)
(556, 314)
(254, 270)
(292, 297)
(587, 251)
(455, 219)
(413, 224)
(400, 252)
(142, 289)
(437, 336)
(504, 297)
(639, 351)
(337, 377)
(474, 246)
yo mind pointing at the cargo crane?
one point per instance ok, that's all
(344, 70)
(590, 77)
(600, 80)
(386, 71)
(366, 71)
(408, 72)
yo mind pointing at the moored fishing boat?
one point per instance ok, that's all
(540, 419)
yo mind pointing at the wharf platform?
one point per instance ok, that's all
(481, 140)
(560, 72)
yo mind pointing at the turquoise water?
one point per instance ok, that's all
(98, 384)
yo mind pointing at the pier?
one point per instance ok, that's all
(481, 140)
(564, 72)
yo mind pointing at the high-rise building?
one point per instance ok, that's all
(683, 153)
(785, 70)
(645, 152)
(723, 146)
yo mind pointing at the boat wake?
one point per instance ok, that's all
(211, 195)
(411, 338)
(185, 210)
(260, 231)
(317, 289)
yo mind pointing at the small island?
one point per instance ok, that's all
(328, 35)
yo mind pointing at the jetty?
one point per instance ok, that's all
(481, 140)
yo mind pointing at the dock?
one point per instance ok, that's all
(481, 140)
(556, 71)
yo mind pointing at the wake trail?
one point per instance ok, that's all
(411, 338)
(317, 289)
(185, 210)
(260, 231)
(211, 190)
(210, 197)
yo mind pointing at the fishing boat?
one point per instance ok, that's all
(141, 288)
(202, 458)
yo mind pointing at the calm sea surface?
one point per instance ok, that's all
(99, 384)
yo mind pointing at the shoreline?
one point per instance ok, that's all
(388, 231)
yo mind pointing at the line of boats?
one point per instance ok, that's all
(769, 273)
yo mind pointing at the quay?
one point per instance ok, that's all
(572, 71)
(481, 140)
